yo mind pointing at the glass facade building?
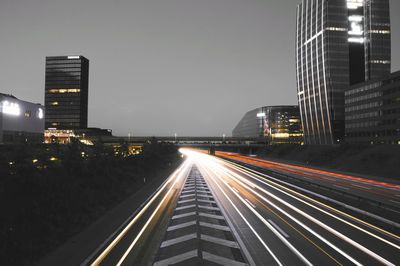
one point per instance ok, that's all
(373, 111)
(277, 124)
(66, 92)
(338, 43)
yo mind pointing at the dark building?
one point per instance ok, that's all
(66, 92)
(20, 121)
(277, 124)
(338, 43)
(373, 111)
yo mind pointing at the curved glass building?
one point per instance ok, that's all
(338, 43)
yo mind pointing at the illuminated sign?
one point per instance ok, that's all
(40, 113)
(261, 115)
(73, 57)
(10, 108)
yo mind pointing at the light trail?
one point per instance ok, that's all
(326, 227)
(253, 176)
(248, 224)
(111, 246)
(283, 166)
(249, 185)
(187, 166)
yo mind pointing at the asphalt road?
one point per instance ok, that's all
(271, 224)
(383, 190)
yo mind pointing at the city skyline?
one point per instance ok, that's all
(146, 82)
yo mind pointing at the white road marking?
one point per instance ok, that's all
(251, 204)
(183, 215)
(177, 240)
(221, 260)
(182, 225)
(215, 226)
(220, 217)
(176, 259)
(184, 201)
(208, 207)
(279, 229)
(219, 241)
(185, 207)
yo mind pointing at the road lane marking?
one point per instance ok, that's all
(279, 229)
(395, 201)
(208, 207)
(251, 204)
(186, 196)
(206, 201)
(188, 191)
(221, 260)
(263, 178)
(178, 258)
(182, 225)
(175, 175)
(172, 188)
(219, 241)
(185, 207)
(177, 240)
(249, 225)
(215, 226)
(214, 216)
(326, 227)
(185, 201)
(183, 215)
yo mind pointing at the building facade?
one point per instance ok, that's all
(20, 121)
(277, 124)
(338, 43)
(66, 92)
(373, 111)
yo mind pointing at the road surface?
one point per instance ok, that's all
(212, 211)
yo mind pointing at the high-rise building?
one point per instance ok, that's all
(66, 92)
(338, 43)
(276, 124)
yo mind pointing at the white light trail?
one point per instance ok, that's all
(173, 176)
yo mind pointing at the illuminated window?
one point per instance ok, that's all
(64, 90)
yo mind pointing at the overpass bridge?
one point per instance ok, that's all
(186, 141)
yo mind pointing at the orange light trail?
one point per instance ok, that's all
(301, 169)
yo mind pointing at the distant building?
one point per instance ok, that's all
(20, 121)
(373, 111)
(66, 92)
(338, 43)
(277, 124)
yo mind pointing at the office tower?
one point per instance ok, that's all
(338, 43)
(372, 111)
(66, 92)
(276, 124)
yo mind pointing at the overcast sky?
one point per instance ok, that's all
(157, 67)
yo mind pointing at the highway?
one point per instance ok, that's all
(212, 211)
(381, 191)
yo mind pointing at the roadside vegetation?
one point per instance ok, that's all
(48, 193)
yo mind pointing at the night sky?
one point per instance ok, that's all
(159, 67)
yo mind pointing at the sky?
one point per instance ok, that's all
(159, 67)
